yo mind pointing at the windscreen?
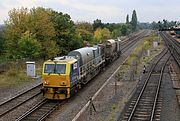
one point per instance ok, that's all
(55, 68)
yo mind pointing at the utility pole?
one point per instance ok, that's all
(115, 86)
(91, 106)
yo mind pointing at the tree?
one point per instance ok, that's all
(127, 19)
(165, 24)
(101, 35)
(15, 26)
(112, 26)
(51, 48)
(2, 41)
(124, 29)
(42, 27)
(85, 25)
(154, 25)
(116, 33)
(85, 31)
(97, 24)
(65, 32)
(36, 21)
(160, 26)
(134, 21)
(85, 35)
(28, 47)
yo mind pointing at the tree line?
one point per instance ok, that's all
(164, 24)
(44, 33)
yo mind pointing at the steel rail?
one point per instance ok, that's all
(20, 94)
(129, 43)
(158, 89)
(50, 111)
(18, 97)
(32, 109)
(12, 108)
(144, 86)
(35, 109)
(170, 45)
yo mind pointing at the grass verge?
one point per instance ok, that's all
(16, 74)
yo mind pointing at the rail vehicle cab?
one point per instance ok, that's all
(59, 75)
(111, 49)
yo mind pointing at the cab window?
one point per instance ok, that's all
(49, 68)
(61, 68)
(55, 68)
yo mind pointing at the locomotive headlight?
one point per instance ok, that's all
(63, 83)
(46, 82)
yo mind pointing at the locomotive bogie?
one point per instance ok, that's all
(56, 93)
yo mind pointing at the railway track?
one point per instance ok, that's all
(40, 111)
(45, 107)
(173, 46)
(18, 100)
(127, 44)
(145, 103)
(123, 43)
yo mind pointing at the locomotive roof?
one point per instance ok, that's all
(83, 51)
(63, 59)
(110, 41)
(86, 49)
(84, 54)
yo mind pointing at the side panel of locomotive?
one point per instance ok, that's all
(90, 61)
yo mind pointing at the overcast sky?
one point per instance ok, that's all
(107, 10)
